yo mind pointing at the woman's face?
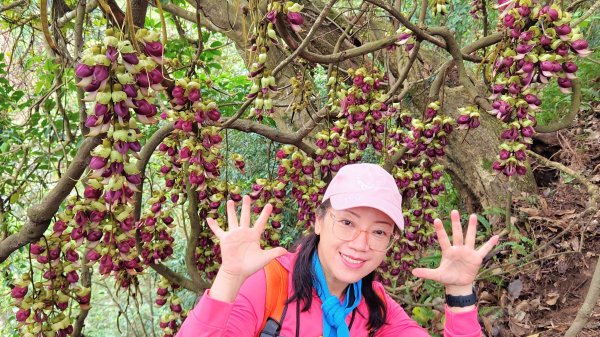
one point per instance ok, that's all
(346, 262)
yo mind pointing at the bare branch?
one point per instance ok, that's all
(570, 117)
(307, 39)
(586, 15)
(12, 5)
(40, 215)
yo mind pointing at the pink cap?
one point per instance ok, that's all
(366, 185)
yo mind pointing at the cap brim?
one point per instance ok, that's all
(351, 200)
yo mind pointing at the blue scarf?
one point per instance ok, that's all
(334, 313)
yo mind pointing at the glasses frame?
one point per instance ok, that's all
(393, 239)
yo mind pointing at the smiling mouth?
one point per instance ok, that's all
(351, 260)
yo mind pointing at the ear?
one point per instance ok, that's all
(318, 226)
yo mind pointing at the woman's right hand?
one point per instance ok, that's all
(241, 254)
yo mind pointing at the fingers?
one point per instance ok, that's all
(487, 247)
(441, 234)
(426, 273)
(231, 215)
(471, 231)
(245, 215)
(457, 233)
(214, 227)
(262, 219)
(275, 253)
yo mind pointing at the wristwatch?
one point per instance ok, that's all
(461, 301)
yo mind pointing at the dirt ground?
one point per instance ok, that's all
(545, 290)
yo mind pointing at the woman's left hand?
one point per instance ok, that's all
(460, 261)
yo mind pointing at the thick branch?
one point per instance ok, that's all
(308, 37)
(335, 57)
(86, 281)
(195, 231)
(588, 304)
(454, 50)
(568, 119)
(145, 156)
(40, 215)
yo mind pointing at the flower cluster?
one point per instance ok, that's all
(171, 321)
(540, 45)
(418, 175)
(155, 226)
(118, 79)
(44, 302)
(468, 118)
(364, 109)
(439, 7)
(302, 90)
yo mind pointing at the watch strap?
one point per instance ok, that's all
(461, 301)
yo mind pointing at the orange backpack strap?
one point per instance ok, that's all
(277, 292)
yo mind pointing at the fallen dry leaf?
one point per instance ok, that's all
(552, 298)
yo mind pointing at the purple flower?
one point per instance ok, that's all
(143, 79)
(83, 70)
(296, 20)
(156, 76)
(100, 73)
(130, 58)
(272, 16)
(563, 29)
(130, 90)
(194, 95)
(154, 49)
(111, 53)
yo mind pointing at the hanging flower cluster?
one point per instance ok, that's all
(192, 163)
(302, 90)
(476, 8)
(418, 175)
(540, 45)
(155, 227)
(364, 109)
(45, 297)
(171, 321)
(439, 7)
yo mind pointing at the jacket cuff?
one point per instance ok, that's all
(212, 312)
(462, 323)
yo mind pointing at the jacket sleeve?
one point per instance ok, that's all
(462, 324)
(242, 318)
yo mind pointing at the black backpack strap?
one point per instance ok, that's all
(273, 327)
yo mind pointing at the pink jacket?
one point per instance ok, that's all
(244, 317)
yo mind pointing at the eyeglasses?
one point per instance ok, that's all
(379, 237)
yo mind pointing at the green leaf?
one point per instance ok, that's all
(269, 121)
(422, 315)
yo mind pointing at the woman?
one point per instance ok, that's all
(331, 290)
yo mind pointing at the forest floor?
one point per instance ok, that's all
(548, 281)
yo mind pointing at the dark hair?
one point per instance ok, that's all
(303, 278)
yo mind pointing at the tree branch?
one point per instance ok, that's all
(570, 117)
(41, 214)
(456, 53)
(12, 5)
(586, 15)
(589, 303)
(307, 39)
(145, 156)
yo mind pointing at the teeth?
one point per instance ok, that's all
(351, 260)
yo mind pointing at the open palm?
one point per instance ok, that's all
(241, 253)
(460, 261)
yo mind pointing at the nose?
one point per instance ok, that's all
(361, 242)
